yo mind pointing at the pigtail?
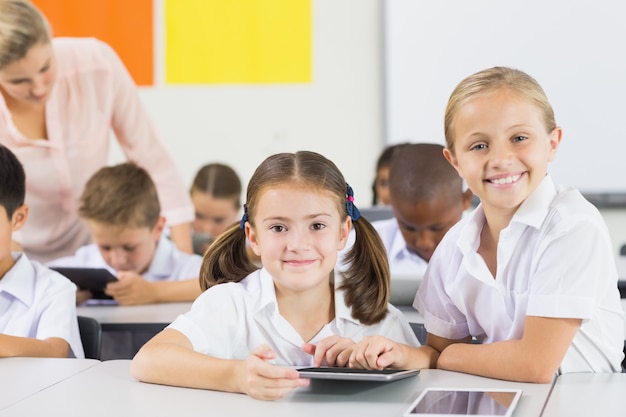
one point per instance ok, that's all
(366, 279)
(226, 260)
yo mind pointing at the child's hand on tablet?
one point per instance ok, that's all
(264, 381)
(131, 289)
(377, 352)
(332, 351)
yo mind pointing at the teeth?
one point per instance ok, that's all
(506, 180)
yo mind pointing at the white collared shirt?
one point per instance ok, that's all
(230, 320)
(553, 260)
(38, 303)
(402, 262)
(168, 262)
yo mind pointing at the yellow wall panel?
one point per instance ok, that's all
(237, 41)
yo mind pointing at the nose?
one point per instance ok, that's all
(39, 86)
(298, 240)
(117, 259)
(500, 155)
(424, 241)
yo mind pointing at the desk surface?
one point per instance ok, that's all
(587, 395)
(108, 390)
(23, 377)
(163, 313)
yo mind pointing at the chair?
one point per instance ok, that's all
(91, 336)
(420, 332)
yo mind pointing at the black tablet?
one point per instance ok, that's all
(356, 374)
(92, 279)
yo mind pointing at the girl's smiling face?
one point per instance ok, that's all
(297, 233)
(502, 148)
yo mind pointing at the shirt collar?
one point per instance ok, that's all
(531, 212)
(19, 281)
(161, 266)
(267, 300)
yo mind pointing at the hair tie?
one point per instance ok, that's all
(354, 212)
(244, 217)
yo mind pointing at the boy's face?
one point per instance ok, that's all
(502, 149)
(7, 227)
(425, 223)
(126, 248)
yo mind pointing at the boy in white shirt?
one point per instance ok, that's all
(427, 199)
(37, 308)
(122, 211)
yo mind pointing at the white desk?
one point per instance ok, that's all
(163, 313)
(588, 395)
(108, 390)
(23, 377)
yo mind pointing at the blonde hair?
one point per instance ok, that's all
(366, 280)
(22, 26)
(489, 81)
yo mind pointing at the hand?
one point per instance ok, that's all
(377, 352)
(264, 381)
(131, 289)
(82, 296)
(332, 351)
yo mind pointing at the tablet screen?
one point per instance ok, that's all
(467, 402)
(92, 279)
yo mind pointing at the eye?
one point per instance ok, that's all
(318, 226)
(520, 138)
(478, 147)
(44, 69)
(18, 82)
(278, 228)
(105, 248)
(128, 248)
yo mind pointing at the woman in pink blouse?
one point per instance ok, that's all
(61, 99)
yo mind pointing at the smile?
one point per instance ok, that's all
(505, 180)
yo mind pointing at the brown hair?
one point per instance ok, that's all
(489, 81)
(366, 280)
(219, 181)
(123, 195)
(22, 26)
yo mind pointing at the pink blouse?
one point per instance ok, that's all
(94, 95)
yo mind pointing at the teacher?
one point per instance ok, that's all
(60, 101)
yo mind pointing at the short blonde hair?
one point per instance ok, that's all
(489, 81)
(22, 26)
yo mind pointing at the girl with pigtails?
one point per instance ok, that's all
(251, 326)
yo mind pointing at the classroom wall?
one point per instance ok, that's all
(340, 113)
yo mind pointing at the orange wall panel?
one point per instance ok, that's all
(126, 25)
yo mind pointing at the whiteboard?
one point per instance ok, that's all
(575, 49)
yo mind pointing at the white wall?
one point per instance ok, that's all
(339, 114)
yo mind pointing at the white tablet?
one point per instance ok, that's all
(447, 402)
(354, 374)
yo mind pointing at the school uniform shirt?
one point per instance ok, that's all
(93, 95)
(554, 260)
(38, 303)
(230, 320)
(401, 260)
(168, 262)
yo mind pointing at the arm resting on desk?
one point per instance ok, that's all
(132, 289)
(52, 347)
(169, 359)
(533, 358)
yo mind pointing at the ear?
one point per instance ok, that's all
(344, 232)
(555, 140)
(253, 239)
(453, 161)
(157, 230)
(19, 217)
(467, 198)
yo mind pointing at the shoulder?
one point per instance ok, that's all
(73, 54)
(49, 282)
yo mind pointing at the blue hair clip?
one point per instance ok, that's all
(354, 212)
(244, 217)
